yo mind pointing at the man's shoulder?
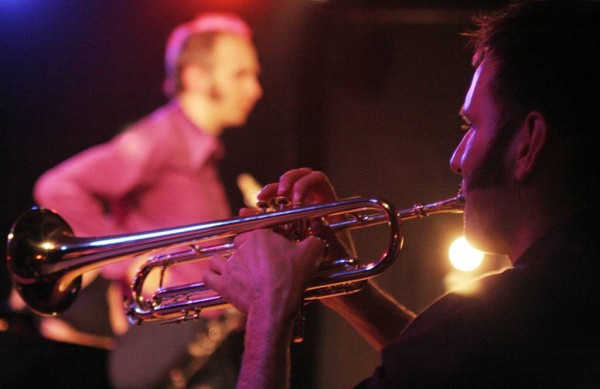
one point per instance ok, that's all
(161, 118)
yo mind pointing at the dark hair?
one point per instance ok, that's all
(547, 55)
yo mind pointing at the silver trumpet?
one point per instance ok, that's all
(46, 261)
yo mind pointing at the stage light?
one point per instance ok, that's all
(463, 256)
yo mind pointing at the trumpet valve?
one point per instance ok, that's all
(263, 206)
(282, 202)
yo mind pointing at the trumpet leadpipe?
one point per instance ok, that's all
(419, 210)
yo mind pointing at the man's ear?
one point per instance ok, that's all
(195, 77)
(532, 137)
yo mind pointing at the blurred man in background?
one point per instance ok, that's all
(160, 172)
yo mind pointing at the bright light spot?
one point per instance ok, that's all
(47, 245)
(464, 257)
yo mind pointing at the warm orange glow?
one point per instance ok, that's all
(47, 245)
(463, 256)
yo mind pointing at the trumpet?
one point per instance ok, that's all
(46, 261)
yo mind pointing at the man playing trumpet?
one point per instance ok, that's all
(528, 163)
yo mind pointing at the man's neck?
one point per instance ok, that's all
(535, 217)
(200, 113)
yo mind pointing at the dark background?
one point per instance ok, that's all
(367, 91)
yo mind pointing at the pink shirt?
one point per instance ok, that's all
(161, 172)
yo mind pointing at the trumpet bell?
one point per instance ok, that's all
(31, 251)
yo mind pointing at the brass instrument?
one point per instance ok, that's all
(46, 261)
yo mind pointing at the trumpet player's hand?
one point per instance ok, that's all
(266, 278)
(301, 186)
(308, 186)
(266, 271)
